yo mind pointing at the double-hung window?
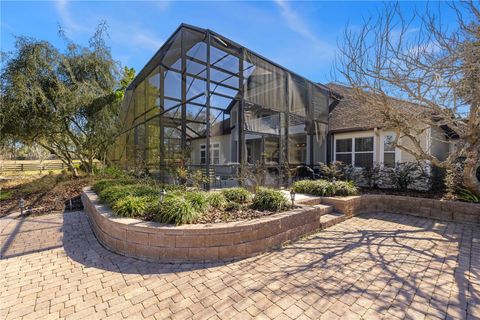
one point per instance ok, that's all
(355, 151)
(363, 152)
(343, 150)
(203, 154)
(389, 150)
(214, 153)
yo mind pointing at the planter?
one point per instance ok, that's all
(198, 242)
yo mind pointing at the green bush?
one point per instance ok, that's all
(315, 187)
(176, 210)
(269, 200)
(217, 200)
(131, 206)
(344, 188)
(100, 185)
(198, 201)
(325, 188)
(233, 206)
(113, 193)
(141, 190)
(238, 195)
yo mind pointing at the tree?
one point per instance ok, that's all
(66, 102)
(436, 73)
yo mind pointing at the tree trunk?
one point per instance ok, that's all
(470, 180)
(471, 164)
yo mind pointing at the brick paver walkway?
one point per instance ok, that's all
(371, 266)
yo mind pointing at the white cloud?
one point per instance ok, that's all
(296, 23)
(66, 20)
(162, 5)
(144, 40)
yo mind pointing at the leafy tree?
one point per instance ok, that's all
(436, 70)
(67, 102)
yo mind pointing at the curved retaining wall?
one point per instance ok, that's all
(429, 208)
(198, 242)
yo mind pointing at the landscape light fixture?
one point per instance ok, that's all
(21, 205)
(292, 196)
(163, 193)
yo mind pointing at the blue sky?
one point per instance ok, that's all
(302, 36)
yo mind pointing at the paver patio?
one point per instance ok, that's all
(371, 266)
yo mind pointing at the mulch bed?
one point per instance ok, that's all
(56, 198)
(218, 216)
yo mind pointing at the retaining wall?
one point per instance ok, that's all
(462, 212)
(198, 242)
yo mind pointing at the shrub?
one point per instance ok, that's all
(344, 188)
(114, 172)
(141, 190)
(269, 200)
(113, 193)
(238, 195)
(198, 200)
(325, 188)
(372, 175)
(100, 185)
(176, 210)
(315, 187)
(336, 170)
(233, 206)
(404, 174)
(131, 206)
(217, 200)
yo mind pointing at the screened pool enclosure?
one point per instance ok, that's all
(205, 102)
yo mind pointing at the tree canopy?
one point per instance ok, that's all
(435, 68)
(67, 102)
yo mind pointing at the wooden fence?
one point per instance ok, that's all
(24, 166)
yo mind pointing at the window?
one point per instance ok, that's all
(343, 150)
(214, 153)
(203, 154)
(363, 152)
(355, 151)
(388, 150)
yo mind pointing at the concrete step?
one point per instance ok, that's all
(330, 219)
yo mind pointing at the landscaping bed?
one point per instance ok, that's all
(42, 194)
(172, 204)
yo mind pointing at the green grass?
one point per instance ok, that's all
(6, 194)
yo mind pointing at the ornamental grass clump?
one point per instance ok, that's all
(198, 200)
(177, 210)
(111, 194)
(324, 188)
(217, 200)
(269, 200)
(101, 185)
(131, 206)
(238, 195)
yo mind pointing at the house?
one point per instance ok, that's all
(358, 134)
(206, 102)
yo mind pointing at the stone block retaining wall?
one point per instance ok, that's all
(429, 208)
(200, 242)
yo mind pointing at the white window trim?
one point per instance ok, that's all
(397, 151)
(354, 136)
(213, 146)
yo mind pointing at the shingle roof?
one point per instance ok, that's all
(351, 114)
